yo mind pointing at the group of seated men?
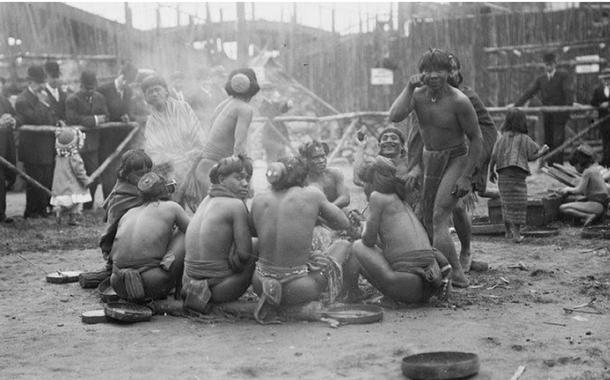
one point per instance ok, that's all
(227, 246)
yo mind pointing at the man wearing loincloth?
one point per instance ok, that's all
(329, 180)
(219, 262)
(228, 134)
(288, 272)
(401, 264)
(446, 119)
(148, 250)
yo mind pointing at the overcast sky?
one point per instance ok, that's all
(313, 14)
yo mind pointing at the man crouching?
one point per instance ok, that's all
(219, 262)
(402, 264)
(148, 253)
(287, 271)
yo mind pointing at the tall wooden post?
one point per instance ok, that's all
(126, 49)
(242, 35)
(292, 39)
(253, 11)
(208, 14)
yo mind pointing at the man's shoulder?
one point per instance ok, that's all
(24, 96)
(378, 199)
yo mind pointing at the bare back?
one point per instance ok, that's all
(284, 221)
(144, 232)
(218, 223)
(229, 131)
(442, 122)
(396, 223)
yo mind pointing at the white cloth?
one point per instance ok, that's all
(607, 91)
(54, 92)
(174, 137)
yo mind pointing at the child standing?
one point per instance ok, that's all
(591, 185)
(70, 179)
(510, 158)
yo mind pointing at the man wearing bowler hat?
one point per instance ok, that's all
(555, 88)
(36, 148)
(87, 108)
(601, 100)
(55, 95)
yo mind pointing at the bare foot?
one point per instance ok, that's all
(459, 280)
(508, 235)
(518, 239)
(589, 220)
(465, 260)
(353, 296)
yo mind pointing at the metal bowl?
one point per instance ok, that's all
(441, 365)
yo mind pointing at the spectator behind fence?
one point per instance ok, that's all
(117, 95)
(7, 151)
(55, 95)
(36, 148)
(601, 100)
(69, 177)
(87, 108)
(555, 88)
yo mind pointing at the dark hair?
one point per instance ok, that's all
(129, 72)
(294, 173)
(307, 149)
(381, 175)
(434, 59)
(152, 187)
(230, 165)
(581, 158)
(252, 90)
(549, 58)
(515, 121)
(132, 161)
(455, 80)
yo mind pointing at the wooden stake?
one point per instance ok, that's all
(114, 154)
(348, 132)
(26, 177)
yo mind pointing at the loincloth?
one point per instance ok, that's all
(322, 238)
(601, 198)
(274, 277)
(436, 163)
(128, 283)
(420, 262)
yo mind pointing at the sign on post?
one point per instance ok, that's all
(586, 64)
(380, 76)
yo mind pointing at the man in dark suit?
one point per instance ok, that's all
(7, 151)
(117, 94)
(601, 100)
(555, 88)
(87, 108)
(36, 149)
(57, 97)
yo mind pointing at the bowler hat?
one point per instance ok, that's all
(52, 69)
(36, 74)
(549, 58)
(88, 79)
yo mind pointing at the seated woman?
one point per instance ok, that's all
(591, 185)
(401, 264)
(219, 262)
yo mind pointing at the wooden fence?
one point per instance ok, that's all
(500, 56)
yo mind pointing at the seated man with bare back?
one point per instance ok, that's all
(148, 251)
(228, 134)
(288, 272)
(219, 262)
(394, 254)
(446, 119)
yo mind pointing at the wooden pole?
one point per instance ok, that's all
(114, 154)
(348, 132)
(242, 35)
(26, 177)
(574, 138)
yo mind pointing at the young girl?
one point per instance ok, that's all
(510, 156)
(69, 178)
(591, 185)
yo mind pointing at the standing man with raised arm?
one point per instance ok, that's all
(447, 119)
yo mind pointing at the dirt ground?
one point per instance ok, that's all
(511, 316)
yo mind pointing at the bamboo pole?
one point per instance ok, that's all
(574, 138)
(51, 128)
(26, 177)
(114, 154)
(346, 134)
